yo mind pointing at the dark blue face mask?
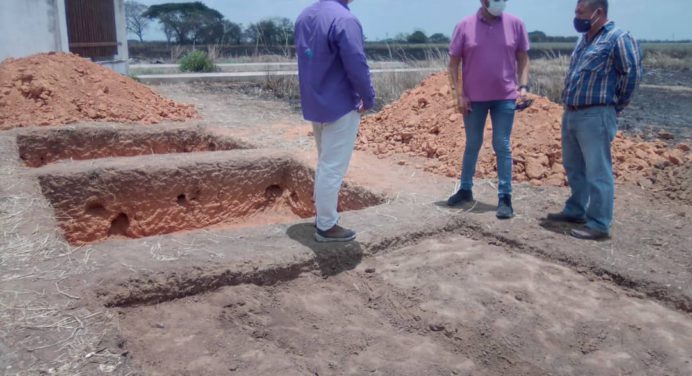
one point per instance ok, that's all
(583, 26)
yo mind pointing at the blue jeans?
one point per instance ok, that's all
(586, 139)
(502, 116)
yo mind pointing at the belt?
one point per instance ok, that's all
(580, 108)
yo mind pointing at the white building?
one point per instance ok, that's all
(94, 29)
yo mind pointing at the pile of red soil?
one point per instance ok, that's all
(425, 122)
(57, 88)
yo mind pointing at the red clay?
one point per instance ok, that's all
(424, 122)
(38, 148)
(57, 88)
(171, 194)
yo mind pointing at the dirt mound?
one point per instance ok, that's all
(675, 183)
(424, 122)
(57, 88)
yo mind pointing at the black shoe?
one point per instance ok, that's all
(561, 217)
(586, 233)
(504, 207)
(461, 197)
(334, 235)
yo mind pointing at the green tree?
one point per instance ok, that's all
(232, 33)
(438, 38)
(270, 32)
(538, 37)
(137, 23)
(418, 37)
(191, 22)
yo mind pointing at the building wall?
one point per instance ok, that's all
(121, 65)
(28, 27)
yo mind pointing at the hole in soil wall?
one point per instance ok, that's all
(119, 225)
(273, 192)
(49, 146)
(147, 201)
(181, 200)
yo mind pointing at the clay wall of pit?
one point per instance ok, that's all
(41, 147)
(165, 196)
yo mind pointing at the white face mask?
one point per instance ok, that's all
(496, 7)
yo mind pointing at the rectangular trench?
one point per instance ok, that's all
(444, 306)
(39, 148)
(170, 195)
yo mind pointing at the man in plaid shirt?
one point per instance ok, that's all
(605, 70)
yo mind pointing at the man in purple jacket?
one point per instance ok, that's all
(335, 90)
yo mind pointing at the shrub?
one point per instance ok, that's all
(197, 61)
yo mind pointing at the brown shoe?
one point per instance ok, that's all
(334, 235)
(586, 233)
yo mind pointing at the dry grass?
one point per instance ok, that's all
(388, 85)
(40, 319)
(547, 77)
(664, 61)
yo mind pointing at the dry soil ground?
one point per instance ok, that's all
(426, 290)
(662, 103)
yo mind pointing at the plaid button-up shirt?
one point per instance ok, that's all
(605, 71)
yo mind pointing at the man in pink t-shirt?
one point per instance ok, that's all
(492, 48)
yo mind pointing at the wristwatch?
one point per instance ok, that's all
(524, 87)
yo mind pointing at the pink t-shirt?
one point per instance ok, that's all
(488, 52)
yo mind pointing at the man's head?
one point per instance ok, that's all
(593, 11)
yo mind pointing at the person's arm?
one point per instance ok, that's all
(351, 44)
(454, 75)
(522, 54)
(523, 65)
(456, 50)
(628, 64)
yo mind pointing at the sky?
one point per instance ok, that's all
(646, 19)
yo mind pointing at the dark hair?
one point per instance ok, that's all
(595, 4)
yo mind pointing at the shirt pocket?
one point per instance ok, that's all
(596, 57)
(470, 47)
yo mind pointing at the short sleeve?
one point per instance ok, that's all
(523, 43)
(456, 47)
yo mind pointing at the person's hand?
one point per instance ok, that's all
(361, 108)
(523, 94)
(463, 105)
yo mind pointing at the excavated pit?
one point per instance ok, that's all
(177, 194)
(448, 305)
(39, 148)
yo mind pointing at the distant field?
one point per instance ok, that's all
(382, 51)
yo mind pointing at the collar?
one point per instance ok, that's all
(479, 14)
(606, 28)
(340, 2)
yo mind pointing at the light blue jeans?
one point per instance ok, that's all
(502, 116)
(586, 140)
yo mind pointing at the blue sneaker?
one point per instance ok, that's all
(461, 197)
(504, 207)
